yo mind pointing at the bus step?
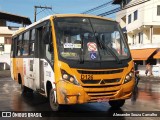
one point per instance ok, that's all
(41, 91)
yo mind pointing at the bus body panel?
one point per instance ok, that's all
(49, 76)
(13, 70)
(67, 93)
(20, 70)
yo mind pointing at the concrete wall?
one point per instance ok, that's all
(156, 35)
(1, 40)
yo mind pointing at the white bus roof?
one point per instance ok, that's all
(60, 15)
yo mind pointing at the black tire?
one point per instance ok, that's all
(52, 100)
(116, 103)
(26, 90)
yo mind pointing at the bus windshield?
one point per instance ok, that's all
(90, 39)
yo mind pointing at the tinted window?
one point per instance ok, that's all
(129, 19)
(158, 10)
(32, 41)
(25, 43)
(135, 15)
(19, 46)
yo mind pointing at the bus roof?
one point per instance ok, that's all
(60, 15)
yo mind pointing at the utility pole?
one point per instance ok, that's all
(35, 10)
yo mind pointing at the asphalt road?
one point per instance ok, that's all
(145, 98)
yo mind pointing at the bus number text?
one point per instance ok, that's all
(86, 77)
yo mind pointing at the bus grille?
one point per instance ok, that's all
(98, 92)
(100, 72)
(100, 81)
(101, 88)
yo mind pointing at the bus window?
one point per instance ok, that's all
(48, 44)
(25, 43)
(44, 37)
(31, 42)
(13, 47)
(19, 46)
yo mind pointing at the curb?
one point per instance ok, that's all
(149, 78)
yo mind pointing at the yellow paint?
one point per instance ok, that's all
(66, 89)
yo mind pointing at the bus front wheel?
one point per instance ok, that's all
(52, 100)
(116, 103)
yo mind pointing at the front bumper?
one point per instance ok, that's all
(68, 93)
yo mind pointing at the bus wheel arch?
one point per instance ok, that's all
(24, 89)
(19, 78)
(48, 88)
(51, 97)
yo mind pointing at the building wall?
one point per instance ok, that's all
(156, 35)
(147, 15)
(147, 23)
(147, 18)
(1, 40)
(5, 35)
(135, 23)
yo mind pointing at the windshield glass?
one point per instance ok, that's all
(90, 39)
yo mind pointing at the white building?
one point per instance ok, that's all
(5, 45)
(6, 34)
(141, 20)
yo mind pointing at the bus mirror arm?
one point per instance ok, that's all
(50, 48)
(46, 39)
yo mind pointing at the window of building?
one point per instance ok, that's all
(151, 61)
(7, 40)
(135, 15)
(1, 47)
(158, 10)
(133, 40)
(129, 19)
(140, 35)
(139, 62)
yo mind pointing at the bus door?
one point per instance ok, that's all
(13, 59)
(45, 55)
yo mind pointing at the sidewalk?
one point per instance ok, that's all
(152, 79)
(5, 73)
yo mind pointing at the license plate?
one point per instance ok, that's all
(103, 100)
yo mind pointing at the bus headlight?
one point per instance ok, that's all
(65, 76)
(69, 77)
(128, 77)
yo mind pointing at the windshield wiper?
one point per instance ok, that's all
(104, 47)
(81, 57)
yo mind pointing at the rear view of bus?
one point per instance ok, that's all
(94, 62)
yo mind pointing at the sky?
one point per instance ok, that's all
(26, 7)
